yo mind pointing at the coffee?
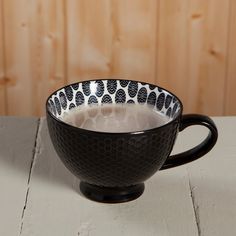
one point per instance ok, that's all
(115, 118)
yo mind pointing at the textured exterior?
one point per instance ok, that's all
(112, 160)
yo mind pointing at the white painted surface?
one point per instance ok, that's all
(17, 138)
(213, 179)
(195, 199)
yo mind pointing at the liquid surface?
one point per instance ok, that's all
(115, 118)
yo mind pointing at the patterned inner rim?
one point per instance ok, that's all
(113, 91)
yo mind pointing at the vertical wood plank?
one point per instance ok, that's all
(18, 71)
(2, 64)
(172, 45)
(192, 48)
(17, 141)
(88, 38)
(112, 39)
(34, 53)
(47, 39)
(133, 47)
(230, 99)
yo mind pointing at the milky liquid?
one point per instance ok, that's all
(115, 118)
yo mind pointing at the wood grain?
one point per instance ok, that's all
(192, 50)
(48, 50)
(54, 200)
(112, 39)
(17, 141)
(133, 48)
(88, 38)
(186, 46)
(18, 71)
(230, 99)
(2, 64)
(34, 53)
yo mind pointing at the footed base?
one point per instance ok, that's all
(111, 195)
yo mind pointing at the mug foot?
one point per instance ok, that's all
(111, 195)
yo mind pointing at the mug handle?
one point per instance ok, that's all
(200, 150)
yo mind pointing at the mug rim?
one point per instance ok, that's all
(112, 133)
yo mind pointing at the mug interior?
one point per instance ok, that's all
(113, 92)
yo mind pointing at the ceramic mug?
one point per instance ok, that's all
(113, 167)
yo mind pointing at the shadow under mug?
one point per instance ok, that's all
(112, 167)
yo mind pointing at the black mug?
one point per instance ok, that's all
(112, 167)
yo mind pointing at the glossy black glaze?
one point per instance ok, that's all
(108, 163)
(200, 150)
(112, 160)
(111, 195)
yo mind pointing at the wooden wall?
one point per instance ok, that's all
(187, 46)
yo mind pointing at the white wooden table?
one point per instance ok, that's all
(39, 196)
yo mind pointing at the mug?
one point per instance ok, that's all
(113, 167)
